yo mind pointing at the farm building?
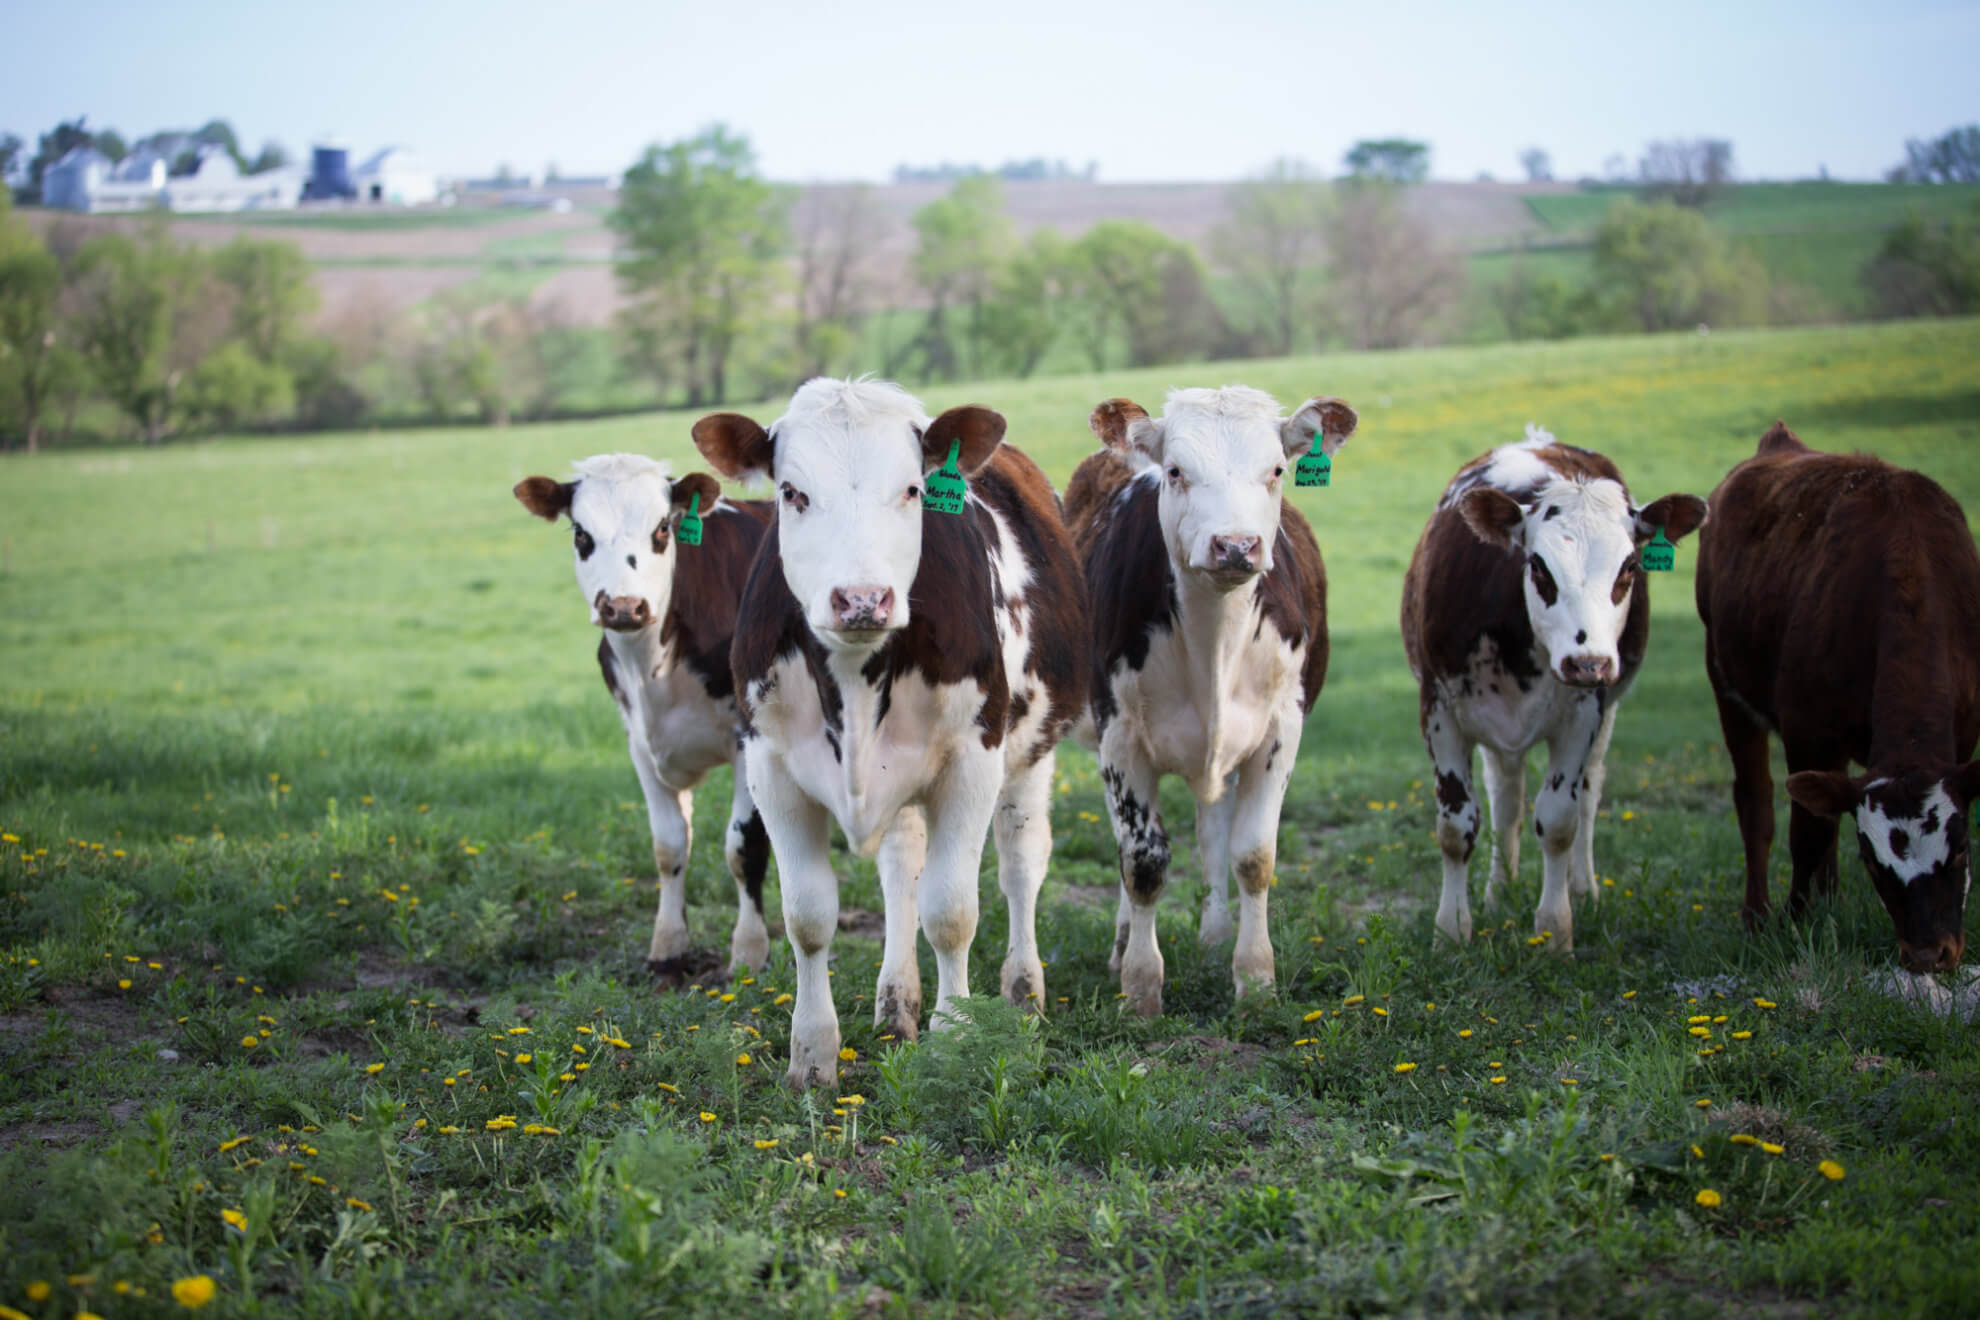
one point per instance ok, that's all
(87, 180)
(395, 176)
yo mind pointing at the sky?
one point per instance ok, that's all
(1156, 90)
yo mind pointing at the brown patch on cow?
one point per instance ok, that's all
(1575, 464)
(1118, 534)
(708, 588)
(1841, 601)
(977, 431)
(1492, 515)
(1293, 597)
(1678, 515)
(686, 490)
(736, 445)
(1110, 422)
(1052, 613)
(544, 497)
(1254, 871)
(610, 669)
(1461, 591)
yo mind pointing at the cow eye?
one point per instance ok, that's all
(582, 540)
(796, 499)
(1278, 471)
(912, 494)
(1175, 475)
(1625, 579)
(660, 539)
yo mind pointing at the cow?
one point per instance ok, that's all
(1525, 618)
(1209, 632)
(907, 674)
(1841, 601)
(668, 613)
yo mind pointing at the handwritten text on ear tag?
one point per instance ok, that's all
(690, 530)
(1659, 555)
(946, 488)
(1314, 467)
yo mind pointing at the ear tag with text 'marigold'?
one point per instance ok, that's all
(1659, 555)
(1314, 467)
(946, 488)
(690, 529)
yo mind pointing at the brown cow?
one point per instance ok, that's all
(1841, 600)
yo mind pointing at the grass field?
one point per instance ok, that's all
(325, 890)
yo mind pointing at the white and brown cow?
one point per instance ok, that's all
(906, 673)
(669, 613)
(1209, 628)
(1525, 618)
(1841, 600)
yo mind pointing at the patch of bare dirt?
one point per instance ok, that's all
(866, 924)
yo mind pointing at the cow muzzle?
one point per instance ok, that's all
(1234, 559)
(1939, 955)
(1588, 671)
(862, 609)
(622, 613)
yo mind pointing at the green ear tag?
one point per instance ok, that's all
(1659, 556)
(1314, 467)
(690, 529)
(946, 488)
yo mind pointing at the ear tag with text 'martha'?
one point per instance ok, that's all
(1659, 555)
(1314, 467)
(946, 488)
(690, 529)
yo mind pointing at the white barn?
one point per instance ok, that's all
(86, 180)
(395, 176)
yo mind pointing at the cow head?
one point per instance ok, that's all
(1911, 829)
(848, 459)
(1224, 456)
(623, 510)
(1580, 540)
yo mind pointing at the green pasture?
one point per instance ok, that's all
(325, 889)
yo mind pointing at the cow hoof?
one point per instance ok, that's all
(1555, 936)
(808, 1069)
(1142, 987)
(1253, 981)
(1024, 985)
(898, 1014)
(1456, 929)
(1216, 929)
(749, 953)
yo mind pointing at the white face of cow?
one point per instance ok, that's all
(621, 508)
(1580, 542)
(849, 460)
(1225, 457)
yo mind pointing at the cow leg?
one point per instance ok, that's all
(800, 834)
(1213, 843)
(669, 814)
(1594, 773)
(959, 816)
(1123, 916)
(1505, 788)
(1023, 829)
(1557, 816)
(1254, 843)
(1811, 838)
(1457, 817)
(747, 848)
(897, 999)
(1130, 780)
(1753, 799)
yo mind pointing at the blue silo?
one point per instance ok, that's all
(329, 175)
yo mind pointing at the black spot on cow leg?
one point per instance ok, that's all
(1554, 781)
(832, 740)
(1273, 754)
(1539, 830)
(1451, 793)
(755, 858)
(1900, 844)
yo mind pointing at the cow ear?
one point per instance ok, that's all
(1324, 416)
(546, 498)
(1110, 421)
(692, 485)
(979, 431)
(1678, 515)
(1493, 515)
(1825, 792)
(1780, 440)
(737, 447)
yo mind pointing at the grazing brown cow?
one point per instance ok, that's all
(1841, 600)
(1525, 619)
(906, 671)
(668, 611)
(1209, 630)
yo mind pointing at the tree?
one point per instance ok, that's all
(1391, 282)
(111, 143)
(701, 238)
(1150, 285)
(1689, 171)
(274, 293)
(1668, 268)
(231, 387)
(11, 157)
(1952, 157)
(1389, 160)
(220, 133)
(1022, 317)
(962, 241)
(149, 312)
(1271, 242)
(1538, 304)
(1927, 268)
(273, 157)
(30, 284)
(1539, 166)
(839, 230)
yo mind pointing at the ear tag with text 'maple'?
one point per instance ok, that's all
(1659, 555)
(690, 529)
(1314, 467)
(946, 488)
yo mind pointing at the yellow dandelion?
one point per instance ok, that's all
(235, 1144)
(193, 1293)
(1698, 1152)
(1352, 1000)
(374, 1068)
(1708, 1198)
(235, 1219)
(707, 1117)
(1743, 1139)
(780, 1000)
(524, 1058)
(39, 1291)
(839, 1192)
(1772, 1148)
(1464, 1033)
(1703, 1102)
(124, 984)
(768, 1144)
(1742, 1035)
(1403, 1067)
(853, 1100)
(1629, 994)
(1765, 1003)
(1315, 1015)
(1831, 1170)
(849, 1055)
(615, 1042)
(1380, 1011)
(1500, 1080)
(356, 1204)
(578, 1048)
(742, 1061)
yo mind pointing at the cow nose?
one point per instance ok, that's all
(1234, 552)
(1588, 670)
(623, 613)
(862, 607)
(1940, 955)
